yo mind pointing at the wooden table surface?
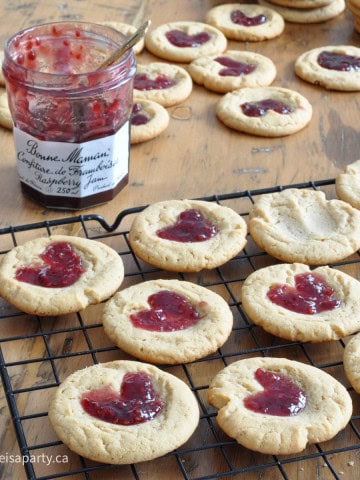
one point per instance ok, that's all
(196, 156)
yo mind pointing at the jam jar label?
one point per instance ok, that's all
(73, 169)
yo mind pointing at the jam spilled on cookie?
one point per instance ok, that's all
(191, 226)
(143, 82)
(339, 62)
(310, 295)
(234, 68)
(137, 402)
(280, 396)
(61, 267)
(259, 109)
(181, 39)
(239, 17)
(169, 312)
(138, 118)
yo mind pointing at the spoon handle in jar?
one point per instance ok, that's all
(130, 42)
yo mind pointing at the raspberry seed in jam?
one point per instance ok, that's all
(310, 295)
(168, 312)
(137, 402)
(191, 226)
(61, 267)
(280, 397)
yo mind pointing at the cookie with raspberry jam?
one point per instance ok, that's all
(123, 412)
(187, 235)
(148, 120)
(246, 22)
(185, 40)
(167, 321)
(294, 302)
(278, 406)
(231, 70)
(164, 83)
(59, 274)
(264, 111)
(331, 67)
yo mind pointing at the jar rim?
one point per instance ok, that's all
(114, 36)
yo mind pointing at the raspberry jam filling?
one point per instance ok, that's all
(138, 118)
(239, 17)
(191, 226)
(310, 295)
(339, 62)
(169, 312)
(280, 397)
(259, 109)
(143, 82)
(61, 267)
(137, 402)
(234, 68)
(178, 38)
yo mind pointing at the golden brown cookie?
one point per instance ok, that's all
(163, 83)
(264, 111)
(232, 70)
(308, 15)
(187, 235)
(351, 362)
(184, 41)
(148, 120)
(332, 67)
(246, 22)
(59, 274)
(278, 406)
(126, 30)
(123, 412)
(167, 321)
(347, 184)
(293, 302)
(299, 225)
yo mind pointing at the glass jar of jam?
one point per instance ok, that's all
(71, 119)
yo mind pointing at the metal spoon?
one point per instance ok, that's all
(119, 52)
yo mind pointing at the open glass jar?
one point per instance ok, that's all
(71, 120)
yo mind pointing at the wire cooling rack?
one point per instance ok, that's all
(38, 353)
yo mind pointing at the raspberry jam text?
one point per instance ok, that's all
(137, 402)
(61, 267)
(280, 397)
(191, 226)
(310, 295)
(168, 312)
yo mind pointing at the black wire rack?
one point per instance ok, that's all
(37, 354)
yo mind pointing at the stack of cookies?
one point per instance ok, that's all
(306, 11)
(354, 7)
